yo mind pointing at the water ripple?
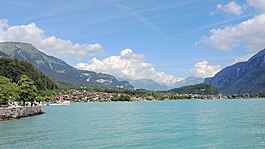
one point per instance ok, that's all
(166, 124)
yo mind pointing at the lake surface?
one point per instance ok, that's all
(156, 124)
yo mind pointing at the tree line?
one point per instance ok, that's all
(22, 91)
(200, 89)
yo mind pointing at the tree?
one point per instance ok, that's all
(13, 69)
(8, 91)
(122, 97)
(125, 97)
(27, 89)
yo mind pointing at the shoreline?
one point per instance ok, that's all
(167, 100)
(11, 113)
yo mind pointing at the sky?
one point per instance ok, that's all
(165, 41)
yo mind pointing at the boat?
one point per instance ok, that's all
(59, 103)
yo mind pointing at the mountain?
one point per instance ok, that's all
(200, 89)
(243, 77)
(148, 84)
(153, 85)
(58, 69)
(189, 81)
(2, 54)
(13, 69)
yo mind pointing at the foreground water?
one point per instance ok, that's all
(157, 124)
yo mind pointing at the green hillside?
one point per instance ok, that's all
(57, 68)
(2, 54)
(200, 89)
(13, 69)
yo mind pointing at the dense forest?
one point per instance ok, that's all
(13, 69)
(200, 89)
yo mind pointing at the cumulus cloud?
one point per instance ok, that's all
(203, 70)
(250, 33)
(230, 8)
(31, 33)
(128, 65)
(259, 4)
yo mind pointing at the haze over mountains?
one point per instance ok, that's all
(152, 85)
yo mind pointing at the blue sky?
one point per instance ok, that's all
(165, 32)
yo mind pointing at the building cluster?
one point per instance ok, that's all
(85, 96)
(77, 95)
(197, 96)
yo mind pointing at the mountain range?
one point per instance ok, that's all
(152, 85)
(189, 81)
(57, 68)
(243, 77)
(148, 84)
(240, 78)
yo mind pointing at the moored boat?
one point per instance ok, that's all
(59, 103)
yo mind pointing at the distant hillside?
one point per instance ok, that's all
(152, 85)
(13, 69)
(2, 54)
(200, 89)
(57, 68)
(148, 84)
(189, 81)
(243, 77)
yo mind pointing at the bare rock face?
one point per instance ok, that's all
(10, 113)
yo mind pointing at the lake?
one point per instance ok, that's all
(157, 124)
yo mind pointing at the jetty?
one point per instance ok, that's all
(10, 113)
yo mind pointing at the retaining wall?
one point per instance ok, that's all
(10, 113)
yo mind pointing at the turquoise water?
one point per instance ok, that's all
(156, 124)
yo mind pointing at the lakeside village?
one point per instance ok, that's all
(28, 95)
(67, 96)
(22, 99)
(84, 95)
(75, 95)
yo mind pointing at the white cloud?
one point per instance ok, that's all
(128, 65)
(259, 4)
(203, 70)
(242, 58)
(250, 33)
(31, 33)
(230, 8)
